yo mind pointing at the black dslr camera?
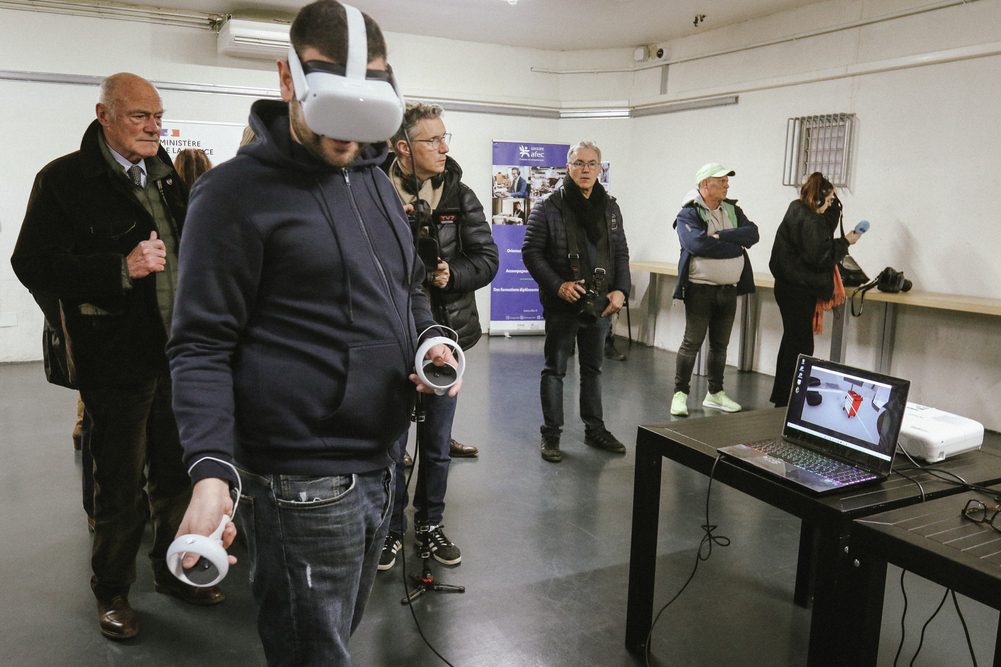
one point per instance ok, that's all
(589, 305)
(891, 280)
(424, 237)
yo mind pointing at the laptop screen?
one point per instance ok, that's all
(846, 412)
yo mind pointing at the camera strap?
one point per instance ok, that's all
(572, 227)
(860, 292)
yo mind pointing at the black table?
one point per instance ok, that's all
(933, 541)
(826, 529)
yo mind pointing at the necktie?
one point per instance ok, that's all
(135, 172)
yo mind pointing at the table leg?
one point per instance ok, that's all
(828, 639)
(839, 331)
(748, 331)
(997, 646)
(649, 335)
(866, 608)
(886, 339)
(643, 549)
(803, 594)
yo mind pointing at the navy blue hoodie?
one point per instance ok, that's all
(298, 309)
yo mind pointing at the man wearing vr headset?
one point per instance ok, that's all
(298, 311)
(452, 220)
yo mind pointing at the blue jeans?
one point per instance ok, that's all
(562, 329)
(432, 465)
(707, 308)
(313, 545)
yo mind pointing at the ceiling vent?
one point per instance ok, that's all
(253, 39)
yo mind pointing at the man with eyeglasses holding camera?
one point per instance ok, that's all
(449, 218)
(575, 249)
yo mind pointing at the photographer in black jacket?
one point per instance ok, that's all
(575, 248)
(447, 216)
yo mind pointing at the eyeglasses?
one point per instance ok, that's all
(434, 143)
(580, 164)
(978, 512)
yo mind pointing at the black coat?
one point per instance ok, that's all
(545, 249)
(82, 220)
(465, 242)
(805, 250)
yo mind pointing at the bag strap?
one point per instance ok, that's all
(861, 290)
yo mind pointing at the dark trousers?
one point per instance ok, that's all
(708, 308)
(135, 450)
(797, 306)
(433, 459)
(562, 329)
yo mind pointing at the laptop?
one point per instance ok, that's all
(840, 429)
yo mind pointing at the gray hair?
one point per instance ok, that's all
(572, 153)
(415, 113)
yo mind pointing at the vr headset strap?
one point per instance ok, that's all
(357, 44)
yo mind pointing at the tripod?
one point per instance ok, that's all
(425, 582)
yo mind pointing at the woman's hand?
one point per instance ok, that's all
(852, 237)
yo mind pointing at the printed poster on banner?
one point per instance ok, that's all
(523, 174)
(220, 141)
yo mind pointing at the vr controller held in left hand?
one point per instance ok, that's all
(440, 378)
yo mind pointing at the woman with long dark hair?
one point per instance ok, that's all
(803, 262)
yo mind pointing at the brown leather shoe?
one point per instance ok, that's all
(190, 594)
(459, 450)
(118, 619)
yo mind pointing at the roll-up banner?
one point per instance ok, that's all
(523, 174)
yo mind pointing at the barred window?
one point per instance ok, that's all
(818, 143)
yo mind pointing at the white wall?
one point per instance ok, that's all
(924, 154)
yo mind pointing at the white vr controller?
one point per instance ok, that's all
(213, 561)
(439, 378)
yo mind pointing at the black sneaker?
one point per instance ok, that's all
(394, 541)
(551, 449)
(604, 440)
(440, 546)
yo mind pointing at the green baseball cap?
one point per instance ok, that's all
(712, 170)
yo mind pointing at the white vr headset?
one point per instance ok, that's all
(350, 102)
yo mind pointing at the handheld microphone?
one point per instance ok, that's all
(862, 227)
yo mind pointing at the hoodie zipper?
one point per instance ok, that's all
(375, 256)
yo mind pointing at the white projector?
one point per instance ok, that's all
(934, 435)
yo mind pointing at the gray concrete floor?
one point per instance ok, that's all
(545, 548)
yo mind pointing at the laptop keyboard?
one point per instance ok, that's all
(819, 464)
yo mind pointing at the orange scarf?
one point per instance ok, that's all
(836, 300)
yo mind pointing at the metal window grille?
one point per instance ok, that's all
(818, 143)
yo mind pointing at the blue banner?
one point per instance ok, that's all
(523, 174)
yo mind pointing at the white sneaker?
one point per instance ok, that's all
(720, 401)
(679, 404)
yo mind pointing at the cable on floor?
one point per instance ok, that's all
(403, 551)
(704, 551)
